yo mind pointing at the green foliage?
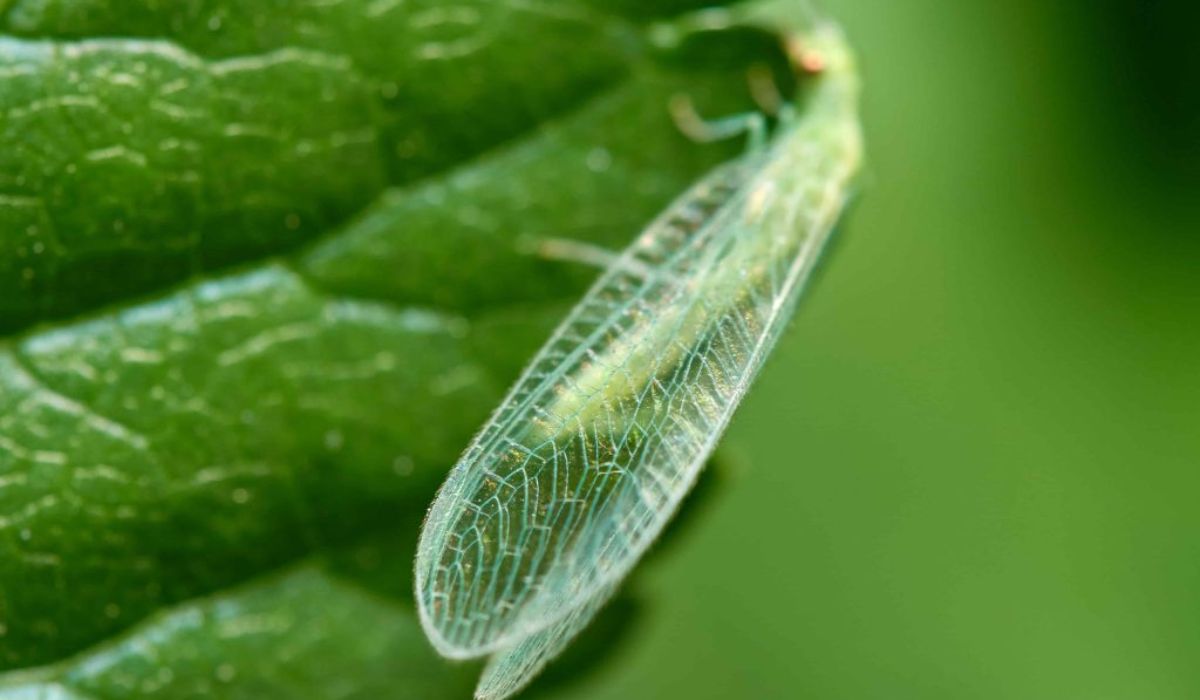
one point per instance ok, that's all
(264, 268)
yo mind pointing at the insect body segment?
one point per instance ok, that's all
(588, 457)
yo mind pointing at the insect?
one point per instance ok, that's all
(592, 451)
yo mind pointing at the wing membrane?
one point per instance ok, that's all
(507, 535)
(589, 456)
(511, 669)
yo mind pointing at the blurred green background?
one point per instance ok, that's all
(971, 469)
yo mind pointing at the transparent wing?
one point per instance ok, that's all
(533, 484)
(590, 454)
(510, 670)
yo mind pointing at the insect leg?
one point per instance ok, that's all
(570, 250)
(765, 90)
(695, 127)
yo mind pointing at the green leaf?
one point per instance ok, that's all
(264, 268)
(299, 634)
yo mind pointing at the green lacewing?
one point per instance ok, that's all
(585, 461)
